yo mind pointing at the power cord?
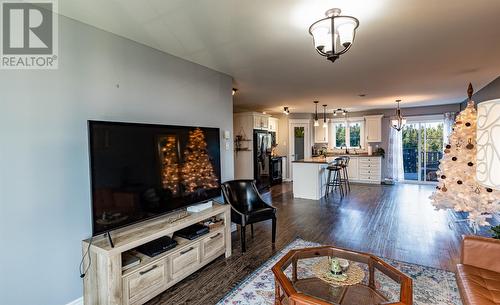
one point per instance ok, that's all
(87, 253)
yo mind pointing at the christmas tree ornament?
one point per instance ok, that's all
(459, 162)
(470, 145)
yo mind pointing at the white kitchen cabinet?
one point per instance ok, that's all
(273, 124)
(320, 134)
(363, 169)
(352, 169)
(373, 128)
(261, 122)
(370, 169)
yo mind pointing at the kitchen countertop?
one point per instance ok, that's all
(331, 158)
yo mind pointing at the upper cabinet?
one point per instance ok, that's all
(273, 124)
(260, 121)
(373, 128)
(320, 134)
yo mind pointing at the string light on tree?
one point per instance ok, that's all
(198, 172)
(457, 186)
(170, 165)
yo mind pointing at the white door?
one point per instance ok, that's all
(300, 142)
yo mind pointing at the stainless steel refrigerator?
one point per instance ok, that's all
(263, 142)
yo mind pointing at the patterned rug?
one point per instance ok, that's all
(430, 285)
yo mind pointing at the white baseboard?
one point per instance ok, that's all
(78, 301)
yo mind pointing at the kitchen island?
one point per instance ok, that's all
(310, 174)
(309, 177)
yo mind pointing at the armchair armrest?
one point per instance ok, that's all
(481, 252)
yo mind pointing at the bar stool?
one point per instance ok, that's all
(345, 178)
(336, 182)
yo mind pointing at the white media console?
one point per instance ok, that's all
(106, 284)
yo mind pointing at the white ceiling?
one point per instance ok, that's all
(422, 51)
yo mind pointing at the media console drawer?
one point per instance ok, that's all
(213, 244)
(185, 260)
(145, 280)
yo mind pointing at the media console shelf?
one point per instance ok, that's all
(106, 284)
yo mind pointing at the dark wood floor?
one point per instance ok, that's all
(390, 221)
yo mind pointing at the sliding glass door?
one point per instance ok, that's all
(422, 149)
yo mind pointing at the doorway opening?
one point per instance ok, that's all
(422, 149)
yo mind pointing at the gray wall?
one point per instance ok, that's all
(44, 168)
(489, 92)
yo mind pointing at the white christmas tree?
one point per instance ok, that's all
(457, 186)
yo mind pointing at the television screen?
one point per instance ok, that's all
(140, 171)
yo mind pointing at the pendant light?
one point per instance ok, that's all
(325, 122)
(333, 35)
(286, 110)
(398, 121)
(316, 122)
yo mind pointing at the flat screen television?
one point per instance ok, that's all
(141, 171)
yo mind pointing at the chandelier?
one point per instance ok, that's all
(398, 121)
(333, 35)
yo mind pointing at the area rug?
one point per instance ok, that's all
(430, 285)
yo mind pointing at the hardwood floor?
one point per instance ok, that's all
(390, 221)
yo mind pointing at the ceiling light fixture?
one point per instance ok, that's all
(316, 122)
(398, 121)
(325, 122)
(234, 91)
(333, 35)
(286, 110)
(339, 111)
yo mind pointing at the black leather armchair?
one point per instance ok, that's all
(247, 206)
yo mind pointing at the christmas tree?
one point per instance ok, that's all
(457, 186)
(170, 164)
(197, 172)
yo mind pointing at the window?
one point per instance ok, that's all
(355, 134)
(339, 134)
(348, 133)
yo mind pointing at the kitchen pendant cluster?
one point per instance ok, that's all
(333, 35)
(316, 119)
(398, 121)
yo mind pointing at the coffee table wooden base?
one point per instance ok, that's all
(314, 291)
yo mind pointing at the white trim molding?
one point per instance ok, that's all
(78, 301)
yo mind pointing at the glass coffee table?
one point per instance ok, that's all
(300, 280)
